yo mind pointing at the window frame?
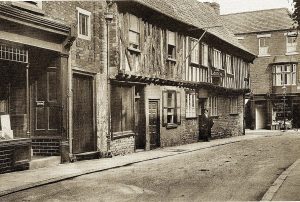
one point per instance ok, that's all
(171, 56)
(137, 32)
(234, 105)
(284, 73)
(213, 106)
(176, 108)
(261, 49)
(190, 104)
(217, 59)
(291, 47)
(88, 14)
(204, 55)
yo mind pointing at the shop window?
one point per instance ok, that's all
(204, 54)
(233, 105)
(122, 114)
(134, 32)
(171, 108)
(171, 40)
(213, 106)
(291, 44)
(84, 24)
(190, 105)
(284, 74)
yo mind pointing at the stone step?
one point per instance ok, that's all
(42, 162)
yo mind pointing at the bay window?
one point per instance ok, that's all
(284, 74)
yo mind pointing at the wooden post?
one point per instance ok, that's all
(27, 101)
(65, 142)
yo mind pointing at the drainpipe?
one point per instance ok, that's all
(27, 100)
(108, 18)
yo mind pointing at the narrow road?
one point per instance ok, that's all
(238, 171)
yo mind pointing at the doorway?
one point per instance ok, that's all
(83, 114)
(154, 124)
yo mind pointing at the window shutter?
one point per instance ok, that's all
(178, 105)
(165, 107)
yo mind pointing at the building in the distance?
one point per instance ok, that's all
(275, 82)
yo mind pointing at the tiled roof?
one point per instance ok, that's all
(194, 13)
(259, 21)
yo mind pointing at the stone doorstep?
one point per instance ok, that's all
(42, 162)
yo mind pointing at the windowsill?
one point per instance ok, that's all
(214, 117)
(30, 8)
(134, 50)
(292, 53)
(118, 135)
(171, 125)
(264, 55)
(80, 36)
(285, 85)
(229, 74)
(190, 117)
(194, 64)
(171, 60)
(234, 114)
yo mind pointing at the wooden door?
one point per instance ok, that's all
(154, 123)
(46, 108)
(83, 114)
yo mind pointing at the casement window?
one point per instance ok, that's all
(197, 74)
(204, 54)
(171, 108)
(122, 115)
(213, 106)
(229, 67)
(171, 40)
(217, 62)
(84, 24)
(134, 32)
(284, 74)
(194, 51)
(233, 105)
(291, 44)
(263, 44)
(190, 105)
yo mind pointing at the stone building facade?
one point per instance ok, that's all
(274, 99)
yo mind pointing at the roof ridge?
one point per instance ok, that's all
(282, 8)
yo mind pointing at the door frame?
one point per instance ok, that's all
(71, 111)
(159, 121)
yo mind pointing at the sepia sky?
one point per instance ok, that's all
(234, 6)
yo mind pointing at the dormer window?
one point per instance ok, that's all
(30, 6)
(171, 45)
(134, 32)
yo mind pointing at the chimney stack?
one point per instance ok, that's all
(215, 6)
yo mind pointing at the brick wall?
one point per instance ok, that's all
(88, 56)
(46, 147)
(260, 70)
(227, 124)
(122, 146)
(6, 162)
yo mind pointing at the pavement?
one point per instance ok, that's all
(22, 180)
